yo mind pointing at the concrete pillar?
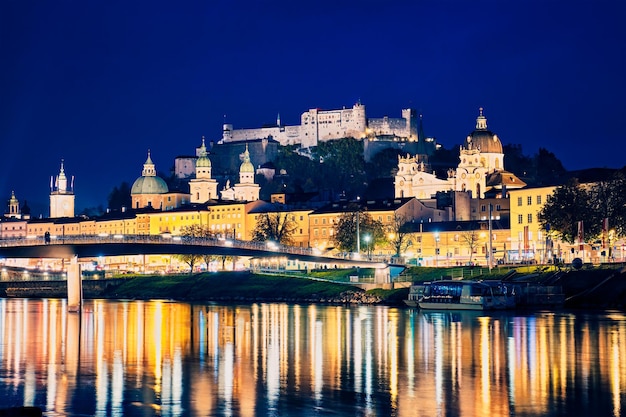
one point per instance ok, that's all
(382, 275)
(74, 286)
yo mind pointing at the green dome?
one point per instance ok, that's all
(246, 165)
(149, 182)
(203, 162)
(149, 185)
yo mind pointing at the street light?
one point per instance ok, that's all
(367, 243)
(436, 248)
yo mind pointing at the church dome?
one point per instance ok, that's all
(481, 138)
(203, 162)
(149, 182)
(149, 185)
(246, 165)
(203, 159)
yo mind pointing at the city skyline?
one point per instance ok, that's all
(98, 87)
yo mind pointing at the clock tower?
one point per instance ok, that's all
(61, 195)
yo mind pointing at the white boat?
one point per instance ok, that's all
(464, 295)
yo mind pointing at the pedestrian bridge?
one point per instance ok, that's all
(118, 245)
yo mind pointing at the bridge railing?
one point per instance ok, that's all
(157, 239)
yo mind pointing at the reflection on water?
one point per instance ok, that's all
(174, 359)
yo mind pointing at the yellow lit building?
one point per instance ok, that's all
(458, 243)
(322, 222)
(528, 238)
(298, 216)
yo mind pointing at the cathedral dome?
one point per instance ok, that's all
(149, 182)
(149, 185)
(481, 138)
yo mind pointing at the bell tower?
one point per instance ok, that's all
(61, 195)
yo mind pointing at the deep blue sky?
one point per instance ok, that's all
(99, 82)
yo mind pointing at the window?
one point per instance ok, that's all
(520, 219)
(530, 217)
(538, 199)
(483, 208)
(529, 200)
(519, 201)
(498, 207)
(315, 221)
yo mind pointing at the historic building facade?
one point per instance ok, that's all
(480, 169)
(203, 187)
(245, 189)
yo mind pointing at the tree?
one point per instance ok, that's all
(345, 236)
(188, 233)
(120, 197)
(276, 226)
(609, 202)
(569, 204)
(397, 234)
(547, 168)
(470, 238)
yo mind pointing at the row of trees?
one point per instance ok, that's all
(591, 204)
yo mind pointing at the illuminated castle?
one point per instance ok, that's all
(322, 125)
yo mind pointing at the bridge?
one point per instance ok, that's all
(88, 246)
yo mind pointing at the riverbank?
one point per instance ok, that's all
(593, 288)
(244, 286)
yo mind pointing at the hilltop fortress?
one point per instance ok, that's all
(322, 125)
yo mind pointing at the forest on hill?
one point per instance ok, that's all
(338, 168)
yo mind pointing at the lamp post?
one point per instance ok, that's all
(367, 244)
(436, 248)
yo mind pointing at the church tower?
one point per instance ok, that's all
(14, 208)
(481, 155)
(245, 189)
(203, 188)
(61, 195)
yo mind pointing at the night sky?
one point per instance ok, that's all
(98, 83)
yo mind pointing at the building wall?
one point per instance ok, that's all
(527, 237)
(315, 125)
(13, 228)
(450, 248)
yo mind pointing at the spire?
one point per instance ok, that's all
(61, 182)
(481, 121)
(148, 167)
(202, 152)
(62, 172)
(278, 120)
(246, 154)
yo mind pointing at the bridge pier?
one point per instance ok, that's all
(74, 286)
(382, 275)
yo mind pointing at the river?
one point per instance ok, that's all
(161, 358)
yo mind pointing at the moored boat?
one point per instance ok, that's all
(462, 295)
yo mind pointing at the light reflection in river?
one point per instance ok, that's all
(174, 359)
